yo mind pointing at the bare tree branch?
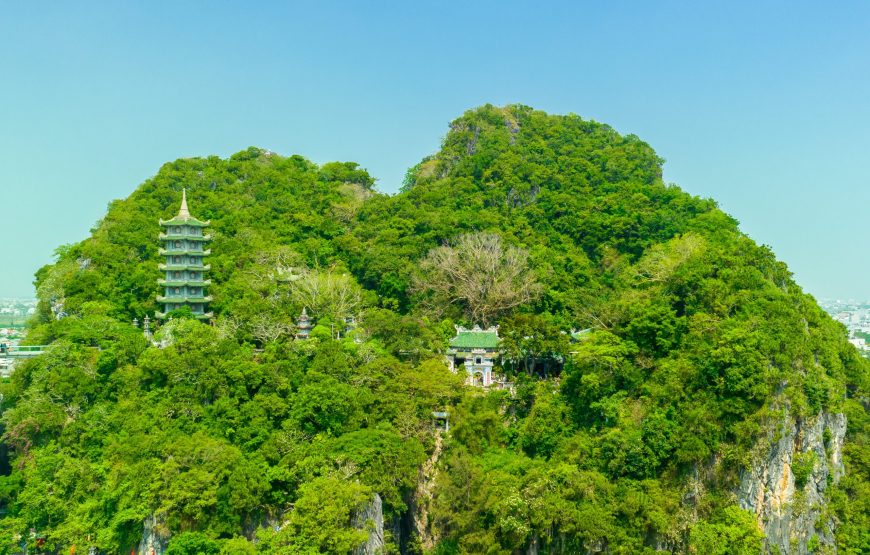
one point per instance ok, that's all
(327, 294)
(479, 273)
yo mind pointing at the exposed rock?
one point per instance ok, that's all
(471, 146)
(155, 537)
(423, 498)
(788, 514)
(57, 310)
(273, 522)
(513, 127)
(371, 518)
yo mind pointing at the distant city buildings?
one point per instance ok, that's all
(13, 316)
(855, 315)
(14, 312)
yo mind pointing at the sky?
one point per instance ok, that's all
(763, 106)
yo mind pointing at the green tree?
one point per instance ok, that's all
(321, 521)
(192, 543)
(732, 532)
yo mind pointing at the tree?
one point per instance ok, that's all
(321, 521)
(733, 531)
(266, 329)
(528, 339)
(481, 274)
(192, 543)
(327, 294)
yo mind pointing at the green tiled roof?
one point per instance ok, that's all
(180, 299)
(184, 221)
(184, 282)
(198, 316)
(182, 250)
(470, 339)
(184, 267)
(181, 237)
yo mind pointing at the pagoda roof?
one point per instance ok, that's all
(189, 221)
(198, 316)
(184, 217)
(182, 237)
(181, 299)
(184, 282)
(172, 267)
(182, 250)
(475, 339)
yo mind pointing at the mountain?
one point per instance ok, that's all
(709, 405)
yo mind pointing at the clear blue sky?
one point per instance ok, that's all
(764, 106)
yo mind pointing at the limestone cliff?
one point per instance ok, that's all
(786, 484)
(371, 518)
(155, 537)
(422, 498)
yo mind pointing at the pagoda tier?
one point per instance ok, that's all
(195, 298)
(184, 280)
(199, 267)
(183, 283)
(203, 316)
(181, 237)
(175, 247)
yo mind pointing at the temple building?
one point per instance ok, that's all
(184, 279)
(475, 350)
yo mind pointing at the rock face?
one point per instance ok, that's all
(422, 498)
(371, 518)
(57, 308)
(155, 537)
(789, 509)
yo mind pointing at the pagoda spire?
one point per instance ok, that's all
(183, 212)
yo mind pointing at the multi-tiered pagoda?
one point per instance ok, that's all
(183, 246)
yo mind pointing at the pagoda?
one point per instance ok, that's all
(183, 247)
(303, 325)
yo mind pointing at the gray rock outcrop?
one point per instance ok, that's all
(155, 537)
(786, 484)
(422, 499)
(371, 518)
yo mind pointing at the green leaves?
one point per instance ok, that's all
(323, 404)
(802, 467)
(321, 521)
(547, 424)
(367, 453)
(732, 531)
(192, 543)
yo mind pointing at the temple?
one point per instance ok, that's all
(183, 246)
(475, 350)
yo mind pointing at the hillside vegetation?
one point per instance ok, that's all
(699, 340)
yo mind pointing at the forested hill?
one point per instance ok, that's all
(712, 407)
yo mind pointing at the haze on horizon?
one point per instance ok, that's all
(761, 106)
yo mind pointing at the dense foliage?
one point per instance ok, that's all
(699, 338)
